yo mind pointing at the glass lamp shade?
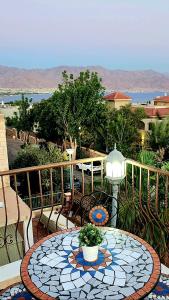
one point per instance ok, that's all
(70, 151)
(115, 166)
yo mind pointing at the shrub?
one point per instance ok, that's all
(90, 235)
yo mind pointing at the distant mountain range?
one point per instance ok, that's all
(147, 80)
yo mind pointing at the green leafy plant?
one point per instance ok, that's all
(75, 110)
(122, 128)
(34, 155)
(147, 158)
(90, 236)
(159, 135)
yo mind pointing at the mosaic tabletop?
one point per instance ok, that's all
(126, 268)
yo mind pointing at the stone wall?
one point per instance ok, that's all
(91, 153)
(22, 136)
(4, 166)
(11, 133)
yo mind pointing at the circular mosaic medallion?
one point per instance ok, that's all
(99, 215)
(77, 260)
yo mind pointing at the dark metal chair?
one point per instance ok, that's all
(98, 198)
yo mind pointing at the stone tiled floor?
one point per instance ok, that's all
(39, 231)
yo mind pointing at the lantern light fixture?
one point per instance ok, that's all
(115, 166)
(115, 173)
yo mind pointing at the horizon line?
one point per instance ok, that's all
(83, 66)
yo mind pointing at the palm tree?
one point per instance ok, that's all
(159, 135)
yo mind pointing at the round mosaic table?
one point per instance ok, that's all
(54, 268)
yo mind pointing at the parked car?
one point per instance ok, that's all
(77, 185)
(87, 167)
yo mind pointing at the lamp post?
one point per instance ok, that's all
(70, 152)
(115, 173)
(80, 139)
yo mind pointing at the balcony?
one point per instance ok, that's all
(35, 204)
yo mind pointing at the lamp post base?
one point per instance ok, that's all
(114, 205)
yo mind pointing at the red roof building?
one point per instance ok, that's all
(117, 99)
(116, 96)
(163, 100)
(153, 112)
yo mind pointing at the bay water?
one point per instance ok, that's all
(137, 97)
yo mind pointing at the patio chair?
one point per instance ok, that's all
(98, 208)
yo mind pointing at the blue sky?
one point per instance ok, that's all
(117, 34)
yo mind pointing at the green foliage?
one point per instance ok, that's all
(144, 221)
(24, 119)
(12, 121)
(47, 120)
(122, 129)
(138, 211)
(77, 103)
(159, 135)
(90, 235)
(165, 166)
(147, 157)
(32, 155)
(128, 214)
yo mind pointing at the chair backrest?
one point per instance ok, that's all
(98, 198)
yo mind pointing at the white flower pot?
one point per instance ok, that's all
(90, 253)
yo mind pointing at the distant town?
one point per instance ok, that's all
(13, 91)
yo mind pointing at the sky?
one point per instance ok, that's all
(116, 34)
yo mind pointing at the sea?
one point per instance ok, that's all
(137, 97)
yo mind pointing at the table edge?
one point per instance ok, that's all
(144, 291)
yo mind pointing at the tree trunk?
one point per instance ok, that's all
(64, 145)
(73, 145)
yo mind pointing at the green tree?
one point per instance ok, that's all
(122, 129)
(48, 126)
(12, 121)
(24, 119)
(159, 135)
(78, 103)
(33, 155)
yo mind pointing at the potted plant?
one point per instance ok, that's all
(90, 237)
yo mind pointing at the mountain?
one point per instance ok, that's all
(147, 80)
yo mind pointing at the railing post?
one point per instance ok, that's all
(3, 152)
(28, 234)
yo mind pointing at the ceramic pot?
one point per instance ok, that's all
(90, 253)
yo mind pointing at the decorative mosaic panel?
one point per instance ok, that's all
(99, 215)
(123, 268)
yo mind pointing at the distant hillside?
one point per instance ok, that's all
(147, 80)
